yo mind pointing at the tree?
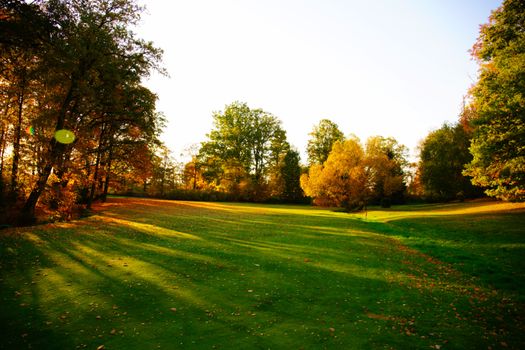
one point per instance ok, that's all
(244, 144)
(342, 180)
(443, 155)
(291, 174)
(21, 26)
(192, 178)
(498, 144)
(73, 65)
(322, 138)
(386, 162)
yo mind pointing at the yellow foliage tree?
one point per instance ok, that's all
(342, 180)
(385, 163)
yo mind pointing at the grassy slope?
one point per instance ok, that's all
(149, 274)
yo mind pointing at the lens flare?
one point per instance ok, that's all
(64, 136)
(30, 130)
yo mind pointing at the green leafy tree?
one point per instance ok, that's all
(498, 99)
(291, 174)
(443, 155)
(244, 145)
(322, 138)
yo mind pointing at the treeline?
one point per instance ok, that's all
(75, 67)
(247, 156)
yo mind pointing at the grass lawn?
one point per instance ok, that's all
(151, 274)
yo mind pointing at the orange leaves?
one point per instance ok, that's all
(341, 179)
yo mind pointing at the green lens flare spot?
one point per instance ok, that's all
(30, 130)
(64, 136)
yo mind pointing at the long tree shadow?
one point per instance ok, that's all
(239, 280)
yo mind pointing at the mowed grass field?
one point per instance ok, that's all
(152, 274)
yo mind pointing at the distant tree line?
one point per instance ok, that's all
(247, 156)
(75, 65)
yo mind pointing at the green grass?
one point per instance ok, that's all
(148, 274)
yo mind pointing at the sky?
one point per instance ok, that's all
(386, 67)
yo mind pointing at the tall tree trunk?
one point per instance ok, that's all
(3, 138)
(2, 148)
(194, 176)
(94, 181)
(108, 172)
(17, 138)
(56, 150)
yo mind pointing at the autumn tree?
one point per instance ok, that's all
(85, 69)
(498, 144)
(342, 180)
(322, 138)
(22, 31)
(386, 161)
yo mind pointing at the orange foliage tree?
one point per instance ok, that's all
(342, 179)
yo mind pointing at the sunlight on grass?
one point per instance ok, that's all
(172, 252)
(32, 237)
(385, 215)
(147, 228)
(136, 268)
(144, 273)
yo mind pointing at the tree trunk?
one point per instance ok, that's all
(91, 194)
(27, 216)
(2, 148)
(93, 182)
(17, 138)
(56, 150)
(108, 171)
(3, 139)
(194, 177)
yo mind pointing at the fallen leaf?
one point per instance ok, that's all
(174, 309)
(113, 331)
(101, 347)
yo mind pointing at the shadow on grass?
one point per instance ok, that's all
(183, 275)
(488, 246)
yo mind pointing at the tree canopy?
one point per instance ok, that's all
(386, 161)
(353, 176)
(76, 67)
(73, 65)
(243, 149)
(443, 156)
(322, 138)
(498, 101)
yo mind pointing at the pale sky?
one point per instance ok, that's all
(390, 68)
